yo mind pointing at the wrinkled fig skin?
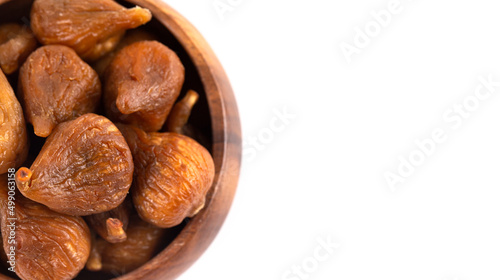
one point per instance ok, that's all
(142, 83)
(85, 167)
(132, 36)
(92, 27)
(57, 86)
(173, 174)
(14, 139)
(16, 43)
(142, 242)
(49, 245)
(112, 225)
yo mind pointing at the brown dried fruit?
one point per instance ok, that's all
(173, 174)
(92, 27)
(85, 167)
(142, 242)
(16, 43)
(57, 86)
(132, 36)
(111, 225)
(48, 245)
(142, 83)
(14, 144)
(180, 113)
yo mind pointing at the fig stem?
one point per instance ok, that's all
(139, 15)
(94, 262)
(23, 178)
(115, 230)
(197, 210)
(180, 113)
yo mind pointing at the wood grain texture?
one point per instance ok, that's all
(200, 231)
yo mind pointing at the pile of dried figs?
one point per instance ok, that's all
(117, 168)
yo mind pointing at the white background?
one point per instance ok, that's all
(320, 174)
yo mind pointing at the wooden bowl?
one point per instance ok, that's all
(216, 117)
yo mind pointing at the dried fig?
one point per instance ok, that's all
(92, 27)
(142, 83)
(57, 86)
(46, 244)
(173, 174)
(85, 167)
(181, 112)
(14, 139)
(132, 36)
(16, 43)
(111, 225)
(120, 258)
